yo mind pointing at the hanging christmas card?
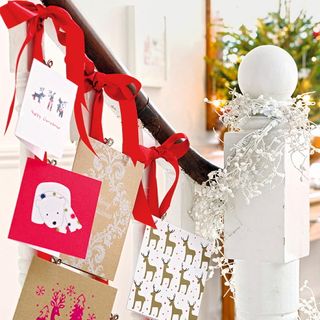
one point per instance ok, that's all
(120, 182)
(53, 292)
(55, 209)
(44, 120)
(171, 273)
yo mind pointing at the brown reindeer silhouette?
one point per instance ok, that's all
(165, 273)
(138, 297)
(169, 243)
(154, 303)
(190, 315)
(183, 280)
(149, 267)
(201, 285)
(153, 236)
(204, 258)
(57, 302)
(189, 252)
(175, 311)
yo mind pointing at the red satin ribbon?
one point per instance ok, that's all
(116, 86)
(69, 35)
(147, 205)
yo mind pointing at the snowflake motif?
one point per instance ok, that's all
(91, 316)
(40, 291)
(71, 290)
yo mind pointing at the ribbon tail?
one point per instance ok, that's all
(10, 111)
(141, 210)
(152, 194)
(37, 45)
(80, 124)
(73, 39)
(96, 130)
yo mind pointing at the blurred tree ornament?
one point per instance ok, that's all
(300, 37)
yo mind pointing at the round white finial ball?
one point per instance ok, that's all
(269, 71)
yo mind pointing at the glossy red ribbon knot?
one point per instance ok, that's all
(69, 35)
(147, 203)
(122, 88)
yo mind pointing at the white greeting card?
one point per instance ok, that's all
(44, 120)
(171, 273)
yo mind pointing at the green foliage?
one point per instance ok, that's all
(301, 38)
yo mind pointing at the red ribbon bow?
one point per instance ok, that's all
(147, 205)
(69, 35)
(116, 86)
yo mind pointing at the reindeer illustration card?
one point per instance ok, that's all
(120, 181)
(46, 111)
(55, 209)
(171, 273)
(52, 292)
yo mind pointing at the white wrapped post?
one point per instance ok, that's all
(274, 227)
(17, 36)
(268, 236)
(266, 291)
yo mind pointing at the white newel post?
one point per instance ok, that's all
(16, 37)
(267, 237)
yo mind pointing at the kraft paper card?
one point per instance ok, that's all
(53, 292)
(55, 209)
(171, 273)
(45, 115)
(120, 182)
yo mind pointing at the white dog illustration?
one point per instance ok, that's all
(52, 207)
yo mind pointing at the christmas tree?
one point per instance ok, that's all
(299, 36)
(78, 308)
(44, 313)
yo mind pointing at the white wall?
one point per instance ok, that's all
(180, 99)
(238, 12)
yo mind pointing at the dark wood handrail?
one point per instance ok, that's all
(192, 163)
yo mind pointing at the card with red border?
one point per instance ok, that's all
(55, 209)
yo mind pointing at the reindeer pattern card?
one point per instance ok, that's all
(45, 115)
(53, 292)
(55, 209)
(171, 273)
(120, 181)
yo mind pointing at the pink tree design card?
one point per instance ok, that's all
(52, 292)
(45, 115)
(171, 273)
(55, 209)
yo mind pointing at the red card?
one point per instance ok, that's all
(55, 209)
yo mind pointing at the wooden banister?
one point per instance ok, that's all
(192, 163)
